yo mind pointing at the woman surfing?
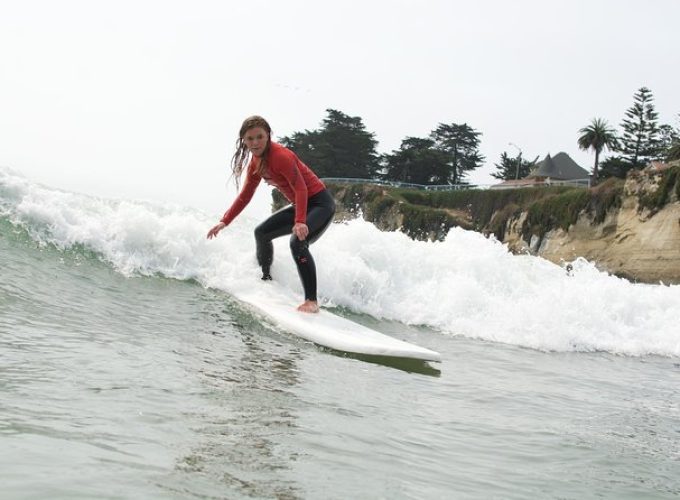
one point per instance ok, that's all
(309, 215)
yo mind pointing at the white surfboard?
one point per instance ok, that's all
(328, 330)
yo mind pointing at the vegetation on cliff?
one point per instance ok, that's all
(562, 210)
(430, 214)
(665, 190)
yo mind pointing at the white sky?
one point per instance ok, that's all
(143, 99)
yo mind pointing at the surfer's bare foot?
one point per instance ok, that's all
(309, 306)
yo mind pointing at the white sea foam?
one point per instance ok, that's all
(467, 285)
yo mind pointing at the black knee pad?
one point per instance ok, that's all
(299, 249)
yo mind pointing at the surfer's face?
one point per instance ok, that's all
(256, 140)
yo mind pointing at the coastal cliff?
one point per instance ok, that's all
(638, 240)
(629, 228)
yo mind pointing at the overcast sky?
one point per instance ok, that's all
(143, 99)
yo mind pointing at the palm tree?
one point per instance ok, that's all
(597, 136)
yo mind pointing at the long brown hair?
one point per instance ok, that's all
(240, 159)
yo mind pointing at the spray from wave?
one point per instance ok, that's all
(466, 285)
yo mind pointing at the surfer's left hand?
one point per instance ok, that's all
(216, 229)
(300, 230)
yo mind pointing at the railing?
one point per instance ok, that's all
(436, 187)
(573, 182)
(585, 183)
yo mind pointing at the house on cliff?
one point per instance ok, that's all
(557, 170)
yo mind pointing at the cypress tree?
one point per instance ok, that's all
(417, 161)
(507, 168)
(341, 147)
(460, 143)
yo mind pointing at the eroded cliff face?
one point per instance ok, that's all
(638, 243)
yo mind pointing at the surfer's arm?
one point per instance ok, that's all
(243, 198)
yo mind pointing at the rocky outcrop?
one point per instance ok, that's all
(635, 240)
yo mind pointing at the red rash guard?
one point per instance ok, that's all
(285, 172)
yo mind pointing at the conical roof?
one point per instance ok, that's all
(559, 167)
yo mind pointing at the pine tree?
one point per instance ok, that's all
(673, 153)
(640, 142)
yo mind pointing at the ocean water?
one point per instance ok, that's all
(127, 370)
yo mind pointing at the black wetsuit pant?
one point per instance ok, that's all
(320, 211)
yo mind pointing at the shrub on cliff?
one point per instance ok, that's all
(562, 210)
(480, 204)
(655, 199)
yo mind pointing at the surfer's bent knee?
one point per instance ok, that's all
(299, 249)
(259, 232)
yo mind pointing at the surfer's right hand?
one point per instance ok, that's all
(216, 229)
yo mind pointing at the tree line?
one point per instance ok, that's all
(641, 141)
(342, 147)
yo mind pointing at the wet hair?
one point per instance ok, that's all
(241, 157)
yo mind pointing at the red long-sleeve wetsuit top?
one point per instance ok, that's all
(285, 172)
